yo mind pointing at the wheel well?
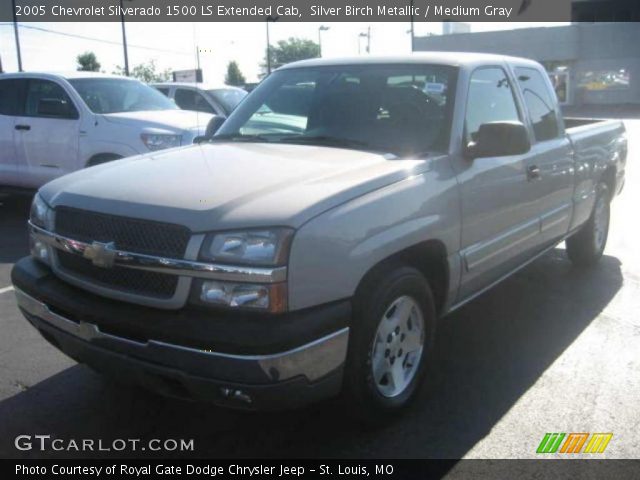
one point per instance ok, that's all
(609, 178)
(430, 258)
(102, 158)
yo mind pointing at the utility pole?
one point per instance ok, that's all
(15, 32)
(412, 31)
(124, 38)
(270, 18)
(321, 29)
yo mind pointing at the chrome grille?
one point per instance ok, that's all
(128, 234)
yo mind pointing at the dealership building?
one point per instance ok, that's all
(589, 63)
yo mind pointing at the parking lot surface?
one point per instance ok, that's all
(552, 349)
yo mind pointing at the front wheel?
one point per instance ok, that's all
(391, 337)
(585, 247)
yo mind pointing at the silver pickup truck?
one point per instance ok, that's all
(308, 246)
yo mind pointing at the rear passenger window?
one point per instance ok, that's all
(48, 99)
(490, 100)
(12, 96)
(192, 100)
(540, 103)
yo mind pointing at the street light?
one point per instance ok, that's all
(366, 35)
(321, 28)
(270, 18)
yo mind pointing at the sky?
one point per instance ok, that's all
(173, 45)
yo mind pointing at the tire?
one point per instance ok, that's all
(585, 247)
(377, 341)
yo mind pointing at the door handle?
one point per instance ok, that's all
(23, 127)
(533, 172)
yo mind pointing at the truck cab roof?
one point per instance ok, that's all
(459, 59)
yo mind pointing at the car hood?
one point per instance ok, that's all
(172, 119)
(229, 185)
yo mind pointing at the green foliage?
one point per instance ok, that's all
(291, 50)
(87, 62)
(147, 72)
(234, 75)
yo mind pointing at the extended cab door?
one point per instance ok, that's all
(500, 224)
(550, 166)
(47, 134)
(11, 99)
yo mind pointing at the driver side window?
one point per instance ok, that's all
(490, 99)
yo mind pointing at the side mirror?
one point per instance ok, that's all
(212, 127)
(499, 139)
(55, 107)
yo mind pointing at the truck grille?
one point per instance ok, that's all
(136, 282)
(128, 234)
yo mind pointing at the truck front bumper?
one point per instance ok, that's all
(77, 323)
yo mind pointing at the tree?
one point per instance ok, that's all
(291, 50)
(147, 72)
(234, 75)
(87, 62)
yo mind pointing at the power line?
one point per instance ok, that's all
(101, 40)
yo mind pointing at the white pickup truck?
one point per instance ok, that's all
(309, 247)
(54, 124)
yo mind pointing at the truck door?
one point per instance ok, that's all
(11, 104)
(550, 165)
(500, 224)
(47, 134)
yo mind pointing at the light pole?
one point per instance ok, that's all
(321, 29)
(367, 35)
(15, 32)
(270, 18)
(411, 31)
(124, 38)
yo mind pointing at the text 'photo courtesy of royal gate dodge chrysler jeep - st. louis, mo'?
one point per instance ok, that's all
(308, 246)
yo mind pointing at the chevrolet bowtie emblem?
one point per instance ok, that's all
(101, 254)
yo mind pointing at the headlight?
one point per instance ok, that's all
(252, 247)
(266, 297)
(156, 141)
(41, 217)
(40, 212)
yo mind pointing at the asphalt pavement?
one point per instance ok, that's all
(552, 349)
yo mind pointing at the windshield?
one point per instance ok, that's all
(399, 109)
(114, 95)
(228, 98)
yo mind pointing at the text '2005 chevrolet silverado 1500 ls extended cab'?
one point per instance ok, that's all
(308, 247)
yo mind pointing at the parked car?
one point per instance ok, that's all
(202, 97)
(51, 124)
(274, 266)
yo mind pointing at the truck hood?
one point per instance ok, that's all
(161, 119)
(232, 185)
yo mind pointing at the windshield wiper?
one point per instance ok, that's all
(239, 137)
